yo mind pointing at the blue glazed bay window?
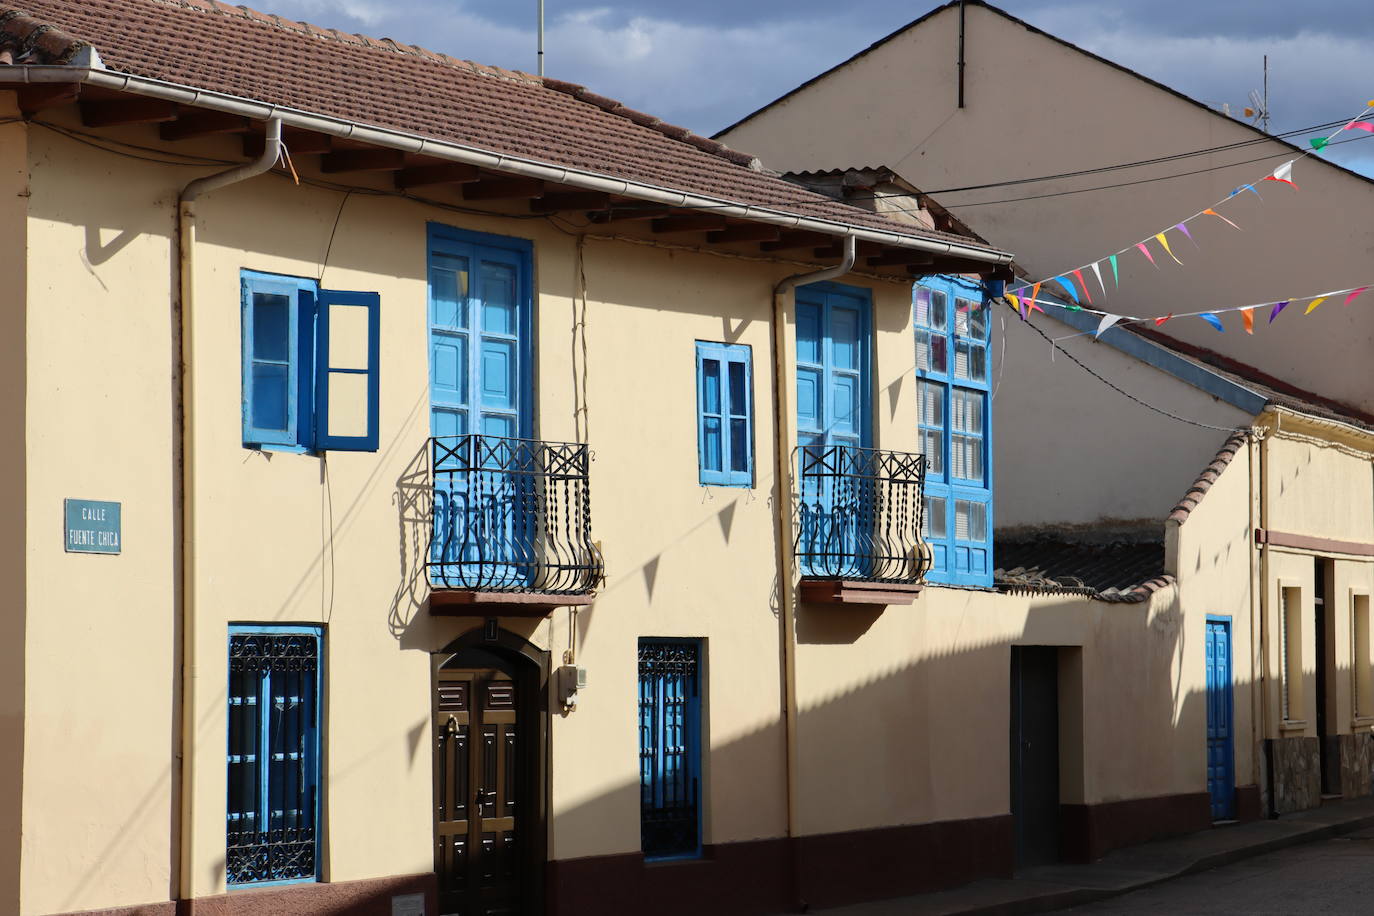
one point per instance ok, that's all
(273, 805)
(310, 365)
(951, 320)
(725, 407)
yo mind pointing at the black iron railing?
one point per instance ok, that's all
(511, 515)
(860, 514)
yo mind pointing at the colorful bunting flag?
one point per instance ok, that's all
(1160, 321)
(1244, 187)
(1183, 227)
(1360, 125)
(1015, 301)
(1106, 322)
(1165, 242)
(1247, 316)
(1222, 218)
(1351, 298)
(1145, 251)
(1318, 143)
(1278, 307)
(1116, 277)
(1315, 302)
(1213, 320)
(1081, 282)
(1068, 285)
(1035, 294)
(1098, 273)
(1283, 173)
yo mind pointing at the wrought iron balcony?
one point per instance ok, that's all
(512, 523)
(859, 533)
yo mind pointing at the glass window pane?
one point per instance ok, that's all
(271, 327)
(939, 310)
(923, 350)
(966, 457)
(270, 389)
(710, 444)
(966, 411)
(921, 304)
(933, 523)
(930, 405)
(710, 386)
(933, 447)
(971, 318)
(970, 520)
(448, 290)
(970, 361)
(739, 395)
(739, 445)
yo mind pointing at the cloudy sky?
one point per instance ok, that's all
(705, 63)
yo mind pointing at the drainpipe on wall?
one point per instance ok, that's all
(783, 506)
(184, 369)
(1262, 450)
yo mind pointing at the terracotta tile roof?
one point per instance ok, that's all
(25, 40)
(1114, 570)
(1208, 477)
(383, 83)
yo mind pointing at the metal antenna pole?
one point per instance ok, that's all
(1266, 91)
(541, 37)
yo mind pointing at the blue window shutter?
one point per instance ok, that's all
(725, 414)
(271, 338)
(347, 377)
(952, 329)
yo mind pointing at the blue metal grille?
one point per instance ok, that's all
(669, 748)
(273, 764)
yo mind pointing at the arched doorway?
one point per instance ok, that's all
(490, 726)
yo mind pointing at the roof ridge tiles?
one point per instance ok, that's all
(35, 35)
(1209, 476)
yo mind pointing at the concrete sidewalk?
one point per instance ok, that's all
(1053, 887)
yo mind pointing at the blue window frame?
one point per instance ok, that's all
(670, 747)
(951, 321)
(273, 804)
(311, 360)
(725, 414)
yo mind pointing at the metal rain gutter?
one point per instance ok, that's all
(455, 152)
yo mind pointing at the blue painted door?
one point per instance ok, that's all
(479, 313)
(833, 419)
(1221, 781)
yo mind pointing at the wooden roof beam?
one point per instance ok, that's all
(38, 96)
(362, 160)
(298, 142)
(115, 112)
(419, 176)
(753, 232)
(795, 239)
(560, 201)
(901, 256)
(201, 124)
(504, 189)
(689, 222)
(951, 266)
(625, 214)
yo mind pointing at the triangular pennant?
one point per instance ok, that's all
(1351, 298)
(1116, 277)
(1165, 242)
(1278, 307)
(1213, 320)
(1248, 317)
(1145, 251)
(1183, 227)
(1318, 143)
(1106, 322)
(1160, 321)
(1016, 305)
(1035, 294)
(1244, 187)
(1315, 302)
(1068, 285)
(1283, 173)
(1222, 218)
(1086, 295)
(1360, 125)
(1098, 273)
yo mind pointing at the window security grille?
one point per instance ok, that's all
(669, 748)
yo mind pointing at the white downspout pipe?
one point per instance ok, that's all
(188, 580)
(782, 501)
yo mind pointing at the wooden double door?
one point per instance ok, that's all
(483, 794)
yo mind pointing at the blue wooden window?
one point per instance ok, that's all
(725, 407)
(950, 317)
(273, 804)
(670, 747)
(311, 365)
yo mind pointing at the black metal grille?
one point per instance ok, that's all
(273, 757)
(860, 514)
(669, 748)
(511, 515)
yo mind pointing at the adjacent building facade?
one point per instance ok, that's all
(479, 497)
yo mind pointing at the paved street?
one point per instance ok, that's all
(1331, 876)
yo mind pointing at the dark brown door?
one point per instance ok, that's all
(477, 780)
(1035, 753)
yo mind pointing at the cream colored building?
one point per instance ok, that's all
(451, 573)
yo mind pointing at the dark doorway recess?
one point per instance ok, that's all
(1035, 753)
(489, 728)
(1328, 739)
